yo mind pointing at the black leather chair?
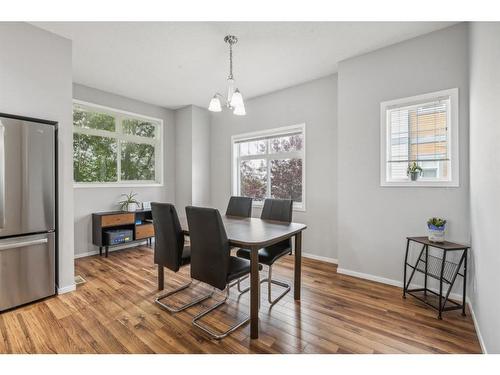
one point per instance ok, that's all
(211, 261)
(278, 210)
(170, 250)
(239, 206)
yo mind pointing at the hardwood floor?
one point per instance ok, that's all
(113, 312)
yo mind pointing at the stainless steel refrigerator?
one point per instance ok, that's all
(27, 210)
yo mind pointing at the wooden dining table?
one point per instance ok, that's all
(255, 234)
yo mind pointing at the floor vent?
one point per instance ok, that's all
(79, 280)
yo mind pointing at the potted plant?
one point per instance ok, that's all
(436, 228)
(129, 203)
(414, 171)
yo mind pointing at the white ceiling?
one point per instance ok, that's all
(173, 64)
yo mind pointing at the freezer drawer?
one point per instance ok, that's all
(27, 269)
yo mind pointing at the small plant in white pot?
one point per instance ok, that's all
(414, 171)
(129, 203)
(436, 227)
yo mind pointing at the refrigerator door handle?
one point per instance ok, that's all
(14, 245)
(2, 175)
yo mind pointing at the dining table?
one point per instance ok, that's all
(255, 234)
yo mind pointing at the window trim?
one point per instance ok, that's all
(284, 155)
(453, 139)
(119, 114)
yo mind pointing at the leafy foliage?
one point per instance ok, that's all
(94, 158)
(93, 120)
(138, 162)
(128, 199)
(285, 174)
(437, 222)
(413, 168)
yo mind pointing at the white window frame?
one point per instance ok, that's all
(453, 179)
(118, 134)
(276, 132)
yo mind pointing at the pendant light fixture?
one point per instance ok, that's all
(234, 99)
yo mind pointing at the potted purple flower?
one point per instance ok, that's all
(436, 229)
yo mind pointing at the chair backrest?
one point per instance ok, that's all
(169, 239)
(239, 206)
(277, 209)
(210, 249)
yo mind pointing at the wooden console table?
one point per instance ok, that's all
(441, 269)
(102, 221)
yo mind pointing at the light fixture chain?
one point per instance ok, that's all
(230, 61)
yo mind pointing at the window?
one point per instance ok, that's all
(421, 129)
(113, 147)
(270, 164)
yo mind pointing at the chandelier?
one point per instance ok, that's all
(234, 99)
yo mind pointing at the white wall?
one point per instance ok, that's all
(88, 200)
(35, 81)
(315, 104)
(373, 221)
(485, 179)
(201, 173)
(193, 157)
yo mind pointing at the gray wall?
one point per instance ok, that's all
(313, 103)
(373, 221)
(485, 179)
(183, 158)
(193, 157)
(35, 81)
(89, 199)
(201, 173)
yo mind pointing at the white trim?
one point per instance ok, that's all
(110, 250)
(476, 326)
(157, 142)
(66, 289)
(265, 134)
(385, 280)
(321, 258)
(453, 130)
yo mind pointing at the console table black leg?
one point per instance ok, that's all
(441, 307)
(425, 275)
(405, 265)
(100, 251)
(465, 281)
(107, 251)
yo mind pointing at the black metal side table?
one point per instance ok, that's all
(444, 271)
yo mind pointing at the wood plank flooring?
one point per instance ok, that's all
(114, 313)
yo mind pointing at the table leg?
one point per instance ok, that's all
(298, 266)
(161, 278)
(404, 269)
(426, 269)
(465, 282)
(441, 285)
(100, 251)
(254, 293)
(107, 251)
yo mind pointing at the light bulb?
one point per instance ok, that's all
(237, 99)
(215, 104)
(240, 110)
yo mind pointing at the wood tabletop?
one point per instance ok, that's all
(446, 245)
(253, 232)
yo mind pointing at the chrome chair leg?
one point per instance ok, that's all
(212, 333)
(270, 281)
(238, 283)
(182, 307)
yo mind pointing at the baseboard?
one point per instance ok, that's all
(111, 249)
(476, 326)
(384, 280)
(66, 289)
(319, 257)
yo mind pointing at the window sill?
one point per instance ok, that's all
(431, 184)
(87, 186)
(296, 209)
